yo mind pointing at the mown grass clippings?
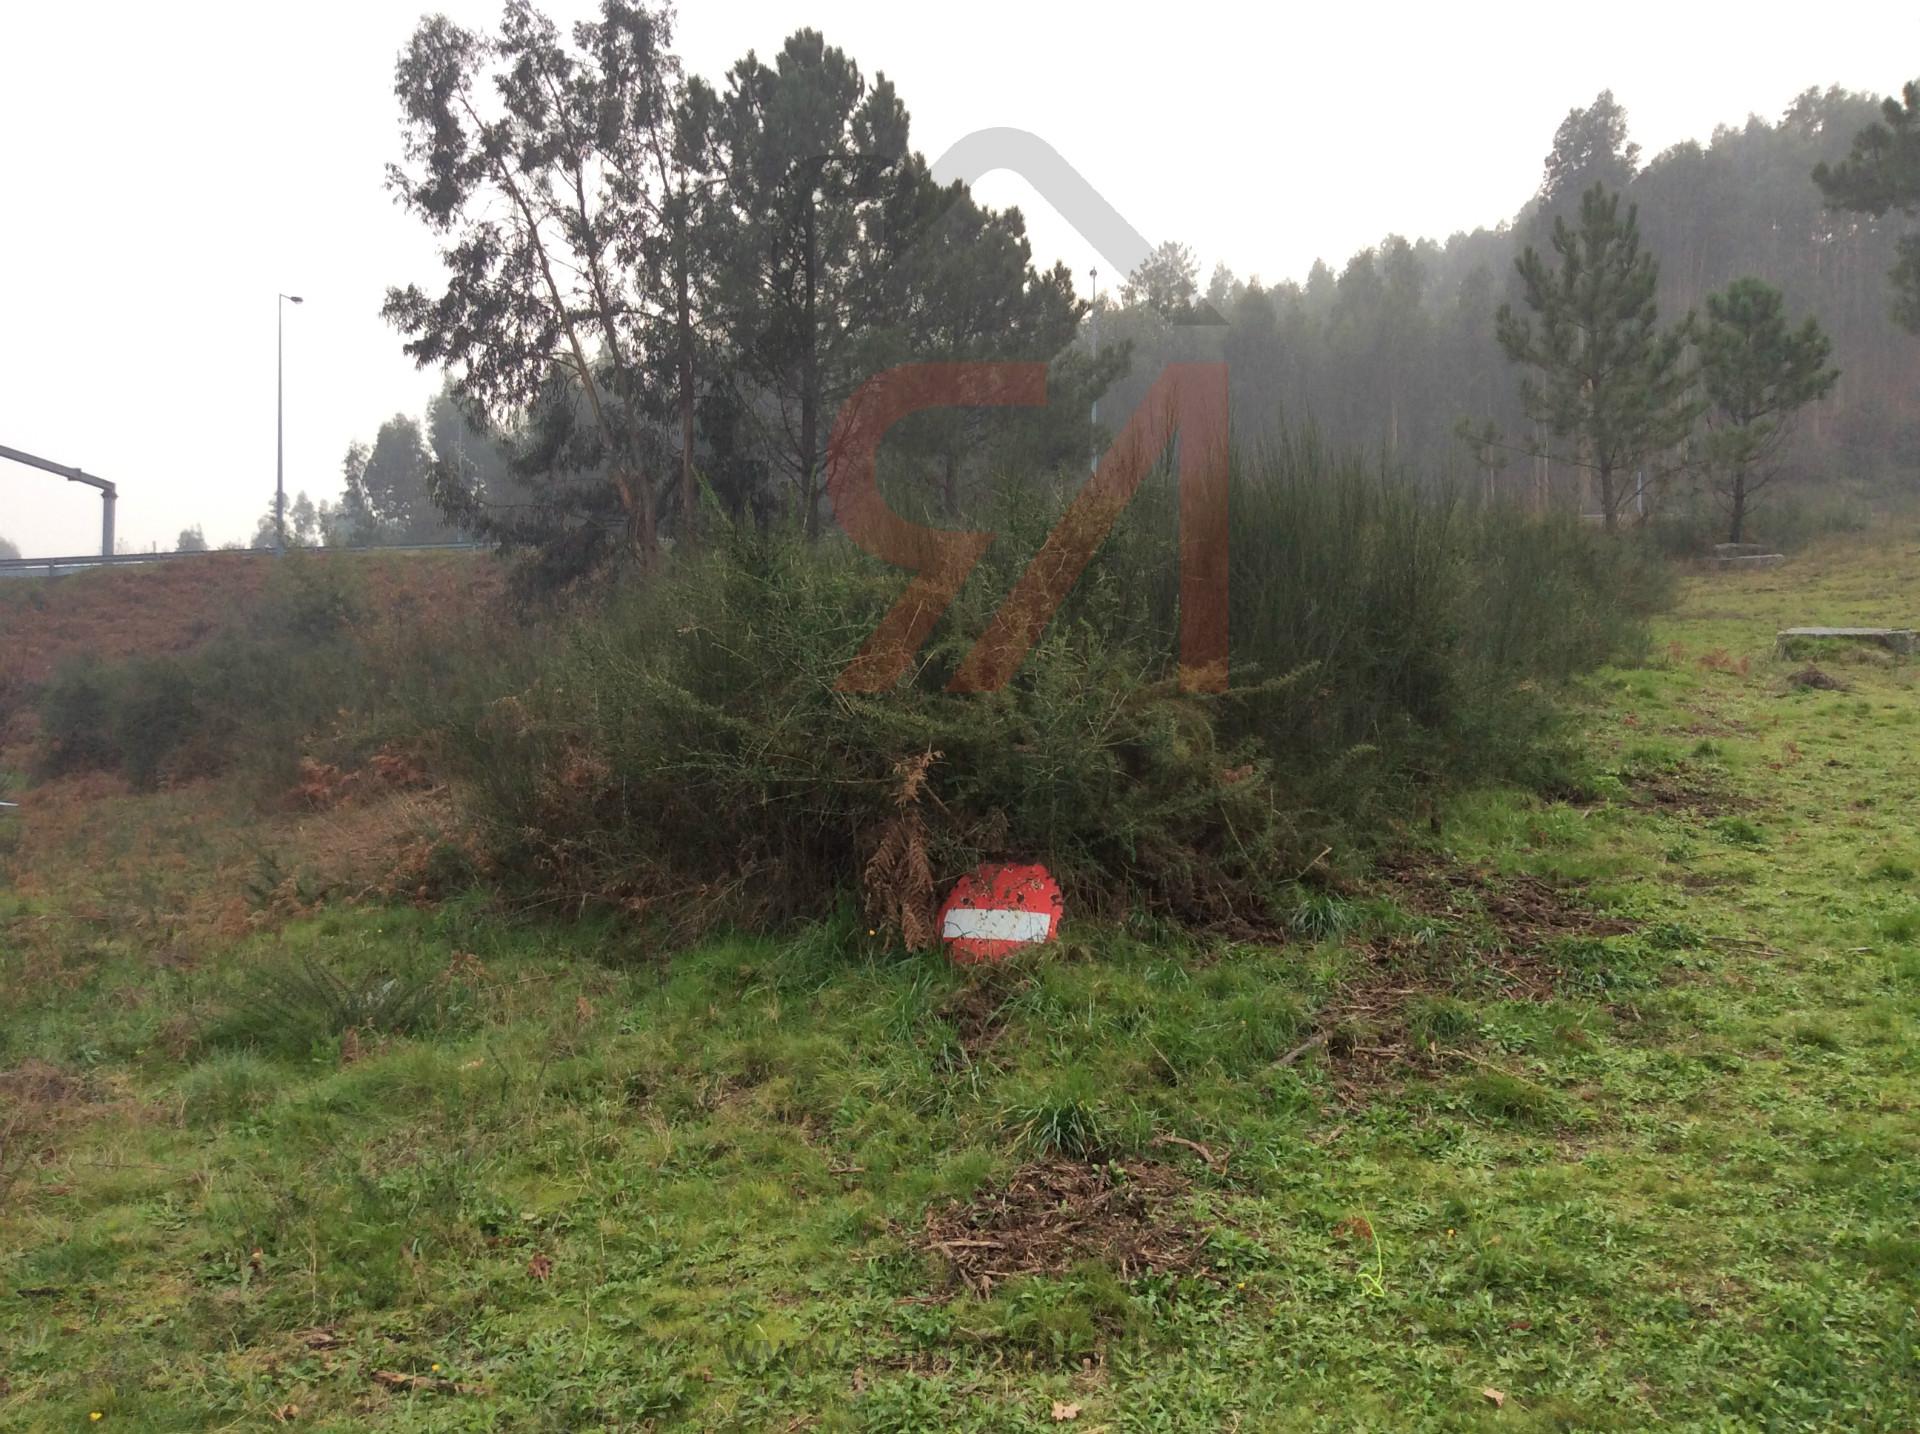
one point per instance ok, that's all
(1051, 1215)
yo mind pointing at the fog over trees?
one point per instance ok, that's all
(1390, 351)
(660, 292)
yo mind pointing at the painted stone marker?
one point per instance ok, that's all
(995, 910)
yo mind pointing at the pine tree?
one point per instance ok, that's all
(1757, 374)
(1590, 147)
(1611, 382)
(1880, 174)
(807, 151)
(1167, 281)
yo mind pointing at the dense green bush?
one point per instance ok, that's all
(686, 750)
(76, 719)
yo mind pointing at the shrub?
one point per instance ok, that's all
(280, 673)
(77, 719)
(293, 1001)
(685, 750)
(157, 711)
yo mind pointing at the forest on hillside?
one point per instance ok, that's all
(1390, 350)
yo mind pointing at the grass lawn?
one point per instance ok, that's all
(1594, 1114)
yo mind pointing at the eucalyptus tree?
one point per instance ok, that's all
(388, 487)
(536, 158)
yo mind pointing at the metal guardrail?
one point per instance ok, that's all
(62, 567)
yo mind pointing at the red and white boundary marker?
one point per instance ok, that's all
(994, 911)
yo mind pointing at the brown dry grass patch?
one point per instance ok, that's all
(173, 872)
(155, 609)
(34, 1098)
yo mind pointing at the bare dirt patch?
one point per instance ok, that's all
(1053, 1214)
(1685, 792)
(1502, 928)
(1526, 913)
(1812, 679)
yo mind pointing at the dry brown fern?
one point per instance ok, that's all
(897, 882)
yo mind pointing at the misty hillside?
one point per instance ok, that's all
(1387, 350)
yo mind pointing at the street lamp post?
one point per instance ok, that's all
(280, 424)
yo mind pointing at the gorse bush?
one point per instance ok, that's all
(680, 748)
(685, 750)
(690, 742)
(76, 719)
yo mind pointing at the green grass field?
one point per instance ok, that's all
(1591, 1114)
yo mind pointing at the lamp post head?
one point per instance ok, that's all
(294, 297)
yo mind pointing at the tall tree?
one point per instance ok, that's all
(1167, 282)
(955, 282)
(1880, 174)
(841, 257)
(1590, 147)
(1758, 373)
(468, 457)
(525, 153)
(307, 525)
(1610, 381)
(808, 151)
(688, 237)
(389, 487)
(8, 550)
(191, 540)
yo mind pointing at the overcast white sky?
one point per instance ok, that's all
(166, 170)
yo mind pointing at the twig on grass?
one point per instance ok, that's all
(1300, 1050)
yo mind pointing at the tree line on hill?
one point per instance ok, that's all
(1770, 220)
(660, 292)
